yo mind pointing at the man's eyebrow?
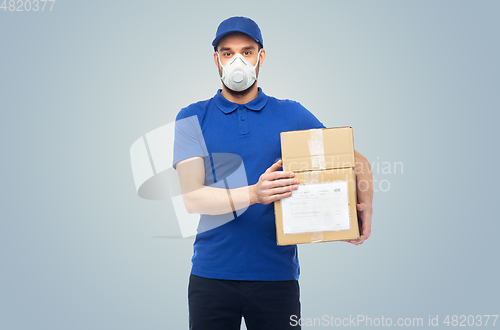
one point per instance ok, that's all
(229, 48)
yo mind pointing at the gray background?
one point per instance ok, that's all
(417, 81)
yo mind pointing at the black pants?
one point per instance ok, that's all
(220, 304)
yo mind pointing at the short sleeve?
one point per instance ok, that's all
(188, 139)
(306, 120)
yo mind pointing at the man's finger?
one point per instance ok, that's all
(279, 175)
(276, 197)
(361, 207)
(274, 167)
(282, 183)
(282, 190)
(364, 237)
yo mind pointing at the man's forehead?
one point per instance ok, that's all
(237, 40)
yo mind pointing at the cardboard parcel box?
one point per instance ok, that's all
(324, 207)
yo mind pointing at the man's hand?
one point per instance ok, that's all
(273, 185)
(365, 215)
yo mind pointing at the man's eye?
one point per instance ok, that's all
(247, 53)
(227, 54)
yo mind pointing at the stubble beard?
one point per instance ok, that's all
(240, 93)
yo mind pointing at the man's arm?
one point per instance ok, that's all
(200, 199)
(364, 185)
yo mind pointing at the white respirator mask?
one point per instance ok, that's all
(238, 73)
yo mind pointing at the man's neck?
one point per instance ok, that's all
(240, 98)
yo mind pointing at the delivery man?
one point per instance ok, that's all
(238, 270)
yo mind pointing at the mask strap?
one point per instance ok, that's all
(220, 63)
(258, 59)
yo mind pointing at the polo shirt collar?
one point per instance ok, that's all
(227, 106)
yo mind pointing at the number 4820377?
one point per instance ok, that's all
(26, 5)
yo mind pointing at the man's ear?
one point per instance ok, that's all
(216, 60)
(262, 56)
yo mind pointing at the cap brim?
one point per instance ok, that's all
(218, 39)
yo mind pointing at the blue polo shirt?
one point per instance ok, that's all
(228, 135)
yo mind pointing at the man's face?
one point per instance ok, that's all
(238, 43)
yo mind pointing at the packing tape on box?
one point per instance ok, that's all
(311, 177)
(316, 149)
(317, 237)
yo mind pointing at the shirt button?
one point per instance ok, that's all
(242, 118)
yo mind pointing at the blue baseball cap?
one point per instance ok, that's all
(238, 24)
